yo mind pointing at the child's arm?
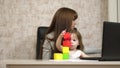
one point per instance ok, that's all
(59, 40)
(83, 54)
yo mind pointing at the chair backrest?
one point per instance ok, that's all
(40, 40)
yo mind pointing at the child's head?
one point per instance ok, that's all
(76, 40)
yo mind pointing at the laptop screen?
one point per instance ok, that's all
(111, 41)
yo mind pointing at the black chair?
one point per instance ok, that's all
(40, 39)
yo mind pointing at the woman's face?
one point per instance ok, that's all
(74, 41)
(73, 24)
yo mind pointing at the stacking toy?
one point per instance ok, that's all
(58, 56)
(66, 39)
(65, 49)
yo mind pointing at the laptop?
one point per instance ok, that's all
(110, 43)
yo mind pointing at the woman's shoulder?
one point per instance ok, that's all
(50, 35)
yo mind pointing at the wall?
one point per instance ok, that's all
(19, 20)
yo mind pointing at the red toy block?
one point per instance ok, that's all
(67, 43)
(67, 36)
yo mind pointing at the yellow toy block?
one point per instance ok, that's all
(58, 56)
(65, 49)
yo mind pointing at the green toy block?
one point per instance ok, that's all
(65, 56)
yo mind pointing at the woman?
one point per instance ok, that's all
(63, 19)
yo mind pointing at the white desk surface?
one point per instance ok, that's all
(62, 62)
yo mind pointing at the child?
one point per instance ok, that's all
(76, 44)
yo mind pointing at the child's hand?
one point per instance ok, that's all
(63, 33)
(67, 36)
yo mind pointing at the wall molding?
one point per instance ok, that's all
(112, 10)
(118, 10)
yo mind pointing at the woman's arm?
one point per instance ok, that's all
(46, 50)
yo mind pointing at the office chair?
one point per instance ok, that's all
(40, 39)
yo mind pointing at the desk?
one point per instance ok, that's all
(61, 64)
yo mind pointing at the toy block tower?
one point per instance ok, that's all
(66, 45)
(65, 49)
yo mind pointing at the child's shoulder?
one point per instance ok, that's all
(78, 50)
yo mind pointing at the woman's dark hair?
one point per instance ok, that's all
(62, 20)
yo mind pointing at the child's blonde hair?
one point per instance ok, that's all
(77, 33)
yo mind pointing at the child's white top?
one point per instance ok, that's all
(75, 54)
